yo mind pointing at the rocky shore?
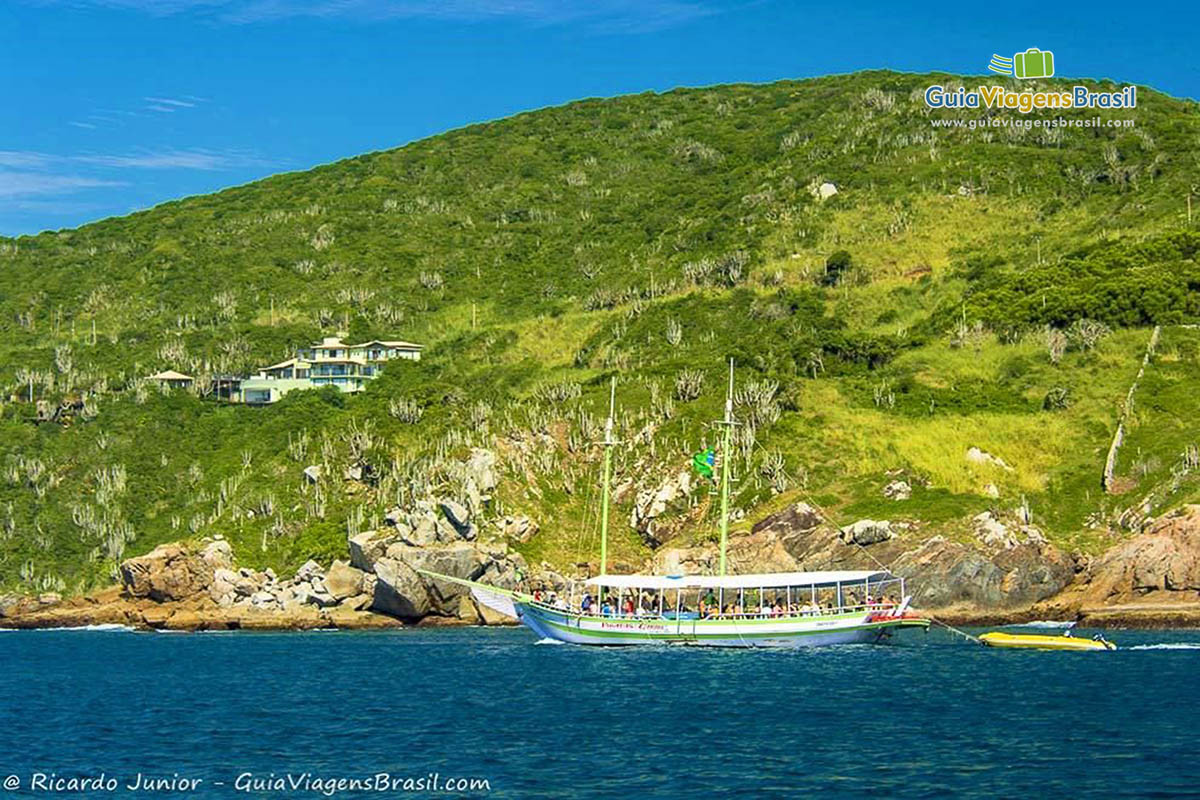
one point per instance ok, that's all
(179, 587)
(1005, 572)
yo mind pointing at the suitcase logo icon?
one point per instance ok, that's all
(1033, 63)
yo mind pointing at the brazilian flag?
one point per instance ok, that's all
(704, 461)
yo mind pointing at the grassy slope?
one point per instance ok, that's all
(577, 237)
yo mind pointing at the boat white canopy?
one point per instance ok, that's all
(764, 580)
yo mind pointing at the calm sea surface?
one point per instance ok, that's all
(928, 715)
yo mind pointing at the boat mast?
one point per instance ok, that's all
(726, 466)
(608, 446)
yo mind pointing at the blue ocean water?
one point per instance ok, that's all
(928, 715)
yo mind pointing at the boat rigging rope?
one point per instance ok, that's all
(953, 629)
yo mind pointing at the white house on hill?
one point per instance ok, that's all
(330, 362)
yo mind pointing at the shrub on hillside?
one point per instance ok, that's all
(836, 266)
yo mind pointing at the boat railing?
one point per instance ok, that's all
(687, 615)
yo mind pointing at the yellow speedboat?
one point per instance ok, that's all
(1035, 641)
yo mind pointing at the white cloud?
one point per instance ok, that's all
(24, 184)
(172, 159)
(197, 158)
(168, 101)
(23, 158)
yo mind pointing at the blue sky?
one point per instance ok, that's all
(116, 105)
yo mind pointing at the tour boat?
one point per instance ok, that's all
(789, 609)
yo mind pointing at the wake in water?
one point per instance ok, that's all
(548, 640)
(1167, 646)
(108, 626)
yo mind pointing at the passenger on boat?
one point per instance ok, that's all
(629, 608)
(537, 595)
(559, 602)
(606, 610)
(586, 604)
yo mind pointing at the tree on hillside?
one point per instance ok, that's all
(836, 266)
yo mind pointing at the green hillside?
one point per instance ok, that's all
(990, 289)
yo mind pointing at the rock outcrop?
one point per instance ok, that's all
(867, 532)
(173, 572)
(1164, 562)
(652, 502)
(184, 587)
(403, 592)
(948, 574)
(1013, 573)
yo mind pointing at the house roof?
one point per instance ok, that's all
(392, 343)
(290, 362)
(335, 343)
(171, 375)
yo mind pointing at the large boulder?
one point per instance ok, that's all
(796, 518)
(459, 516)
(652, 502)
(481, 469)
(403, 588)
(224, 587)
(218, 554)
(343, 581)
(991, 532)
(11, 604)
(308, 570)
(867, 532)
(519, 527)
(168, 572)
(399, 590)
(425, 531)
(368, 547)
(459, 560)
(823, 191)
